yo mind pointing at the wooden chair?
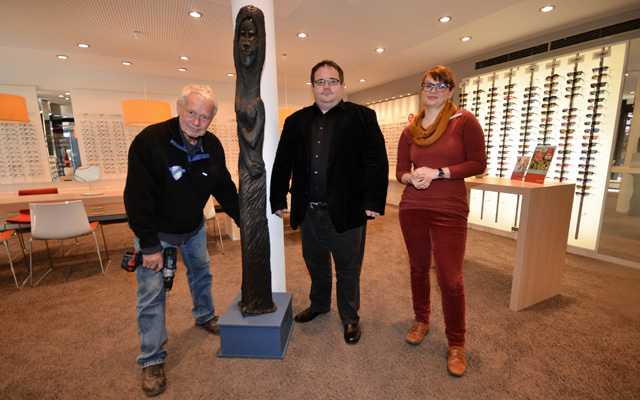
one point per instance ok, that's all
(60, 221)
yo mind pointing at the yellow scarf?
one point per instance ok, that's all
(427, 137)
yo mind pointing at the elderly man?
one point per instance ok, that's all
(334, 154)
(174, 166)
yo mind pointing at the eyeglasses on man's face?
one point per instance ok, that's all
(440, 87)
(330, 81)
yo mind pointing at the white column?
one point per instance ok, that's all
(269, 94)
(626, 183)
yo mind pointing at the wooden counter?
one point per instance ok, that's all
(104, 207)
(542, 236)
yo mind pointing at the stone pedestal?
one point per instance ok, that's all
(256, 336)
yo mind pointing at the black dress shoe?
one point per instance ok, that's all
(307, 315)
(352, 333)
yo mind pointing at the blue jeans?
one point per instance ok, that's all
(151, 302)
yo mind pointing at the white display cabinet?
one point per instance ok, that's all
(571, 102)
(104, 142)
(23, 157)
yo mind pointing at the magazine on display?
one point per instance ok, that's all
(521, 168)
(539, 165)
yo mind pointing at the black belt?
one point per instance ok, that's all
(317, 206)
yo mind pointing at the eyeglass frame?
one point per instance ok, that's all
(432, 86)
(330, 81)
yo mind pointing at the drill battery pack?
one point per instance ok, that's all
(131, 260)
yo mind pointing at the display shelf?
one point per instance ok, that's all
(570, 102)
(393, 116)
(104, 142)
(23, 158)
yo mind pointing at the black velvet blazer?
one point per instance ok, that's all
(357, 170)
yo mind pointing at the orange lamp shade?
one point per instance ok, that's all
(13, 109)
(145, 112)
(283, 113)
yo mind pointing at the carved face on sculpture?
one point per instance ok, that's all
(248, 42)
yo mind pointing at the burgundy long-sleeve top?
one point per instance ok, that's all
(461, 148)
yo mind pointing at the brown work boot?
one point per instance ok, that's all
(417, 332)
(153, 380)
(457, 364)
(211, 326)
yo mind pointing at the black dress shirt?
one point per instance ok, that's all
(322, 128)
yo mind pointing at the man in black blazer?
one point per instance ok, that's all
(333, 153)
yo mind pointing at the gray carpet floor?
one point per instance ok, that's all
(74, 335)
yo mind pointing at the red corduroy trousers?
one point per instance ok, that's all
(444, 235)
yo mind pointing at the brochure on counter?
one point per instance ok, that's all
(521, 168)
(540, 162)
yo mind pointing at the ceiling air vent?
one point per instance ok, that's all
(560, 43)
(596, 34)
(516, 55)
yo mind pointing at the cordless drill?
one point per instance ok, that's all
(132, 260)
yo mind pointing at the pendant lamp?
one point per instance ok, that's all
(13, 109)
(283, 113)
(144, 112)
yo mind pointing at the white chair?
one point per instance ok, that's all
(4, 236)
(61, 221)
(210, 214)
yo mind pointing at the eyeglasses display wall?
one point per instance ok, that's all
(570, 102)
(228, 135)
(23, 157)
(392, 119)
(104, 142)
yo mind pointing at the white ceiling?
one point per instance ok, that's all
(33, 32)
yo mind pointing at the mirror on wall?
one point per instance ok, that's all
(620, 226)
(59, 131)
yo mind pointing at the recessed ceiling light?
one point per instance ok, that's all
(302, 35)
(67, 93)
(444, 19)
(184, 58)
(60, 95)
(66, 98)
(195, 14)
(308, 83)
(231, 74)
(182, 69)
(62, 56)
(465, 38)
(83, 45)
(379, 50)
(548, 8)
(126, 63)
(632, 92)
(363, 80)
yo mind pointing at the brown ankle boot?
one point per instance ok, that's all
(457, 364)
(417, 332)
(153, 380)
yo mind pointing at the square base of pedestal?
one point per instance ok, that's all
(256, 336)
